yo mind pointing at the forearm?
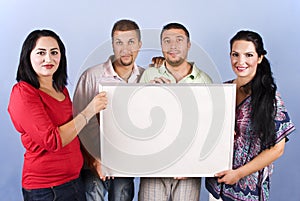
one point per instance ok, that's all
(71, 129)
(262, 160)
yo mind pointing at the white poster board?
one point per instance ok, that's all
(169, 130)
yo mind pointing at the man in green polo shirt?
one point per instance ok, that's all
(175, 43)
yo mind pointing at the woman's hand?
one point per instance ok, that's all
(229, 177)
(98, 103)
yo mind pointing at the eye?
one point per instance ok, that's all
(179, 40)
(54, 52)
(249, 55)
(166, 41)
(131, 42)
(119, 42)
(41, 53)
(234, 54)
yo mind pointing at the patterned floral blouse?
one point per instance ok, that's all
(246, 147)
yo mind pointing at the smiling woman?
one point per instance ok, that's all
(262, 124)
(53, 159)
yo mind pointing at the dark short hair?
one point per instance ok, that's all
(126, 25)
(25, 70)
(175, 25)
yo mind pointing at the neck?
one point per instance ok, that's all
(46, 83)
(123, 71)
(240, 81)
(179, 72)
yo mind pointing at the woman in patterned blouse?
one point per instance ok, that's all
(262, 124)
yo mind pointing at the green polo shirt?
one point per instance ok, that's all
(196, 76)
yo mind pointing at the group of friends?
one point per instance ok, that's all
(57, 165)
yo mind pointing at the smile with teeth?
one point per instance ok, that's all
(241, 68)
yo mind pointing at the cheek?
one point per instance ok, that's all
(233, 60)
(164, 47)
(57, 60)
(135, 48)
(253, 63)
(35, 61)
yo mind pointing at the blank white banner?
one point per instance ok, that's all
(167, 130)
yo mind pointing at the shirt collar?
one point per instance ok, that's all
(110, 71)
(195, 71)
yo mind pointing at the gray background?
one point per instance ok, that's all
(84, 25)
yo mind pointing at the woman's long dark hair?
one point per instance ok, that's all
(263, 91)
(25, 70)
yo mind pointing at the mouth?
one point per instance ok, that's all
(126, 56)
(241, 68)
(48, 66)
(172, 54)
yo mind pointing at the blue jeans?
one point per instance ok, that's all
(72, 190)
(119, 189)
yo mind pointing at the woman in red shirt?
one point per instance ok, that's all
(41, 110)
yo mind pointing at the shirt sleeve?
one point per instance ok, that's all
(84, 93)
(30, 118)
(145, 77)
(206, 78)
(283, 123)
(86, 89)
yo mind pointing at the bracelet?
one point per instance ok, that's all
(86, 119)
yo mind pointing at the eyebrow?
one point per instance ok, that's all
(128, 39)
(244, 52)
(55, 48)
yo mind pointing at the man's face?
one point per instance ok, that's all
(175, 46)
(126, 46)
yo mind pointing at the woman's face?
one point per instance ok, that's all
(45, 57)
(244, 59)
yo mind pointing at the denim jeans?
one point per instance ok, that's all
(72, 190)
(118, 189)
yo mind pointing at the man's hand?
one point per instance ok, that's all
(180, 178)
(97, 168)
(157, 62)
(160, 80)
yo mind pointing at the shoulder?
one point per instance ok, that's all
(154, 70)
(201, 74)
(93, 70)
(140, 69)
(22, 94)
(149, 74)
(66, 91)
(24, 89)
(279, 100)
(229, 81)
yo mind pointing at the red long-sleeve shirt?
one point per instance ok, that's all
(37, 116)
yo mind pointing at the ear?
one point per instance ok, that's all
(189, 45)
(140, 44)
(260, 59)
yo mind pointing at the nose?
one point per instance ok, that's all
(126, 48)
(241, 60)
(173, 44)
(47, 57)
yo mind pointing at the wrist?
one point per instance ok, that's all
(85, 117)
(240, 173)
